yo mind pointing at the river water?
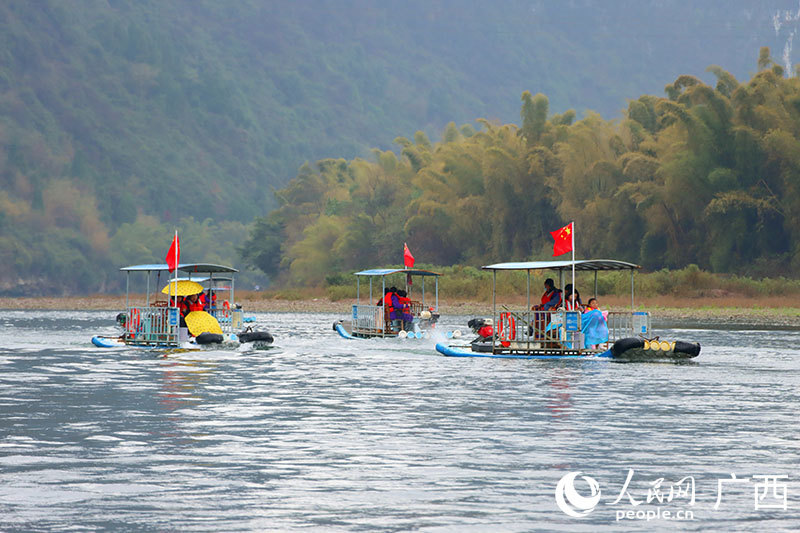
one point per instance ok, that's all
(321, 433)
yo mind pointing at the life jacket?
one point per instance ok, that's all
(548, 295)
(184, 307)
(387, 301)
(405, 303)
(196, 306)
(572, 305)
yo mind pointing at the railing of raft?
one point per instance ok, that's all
(369, 320)
(230, 320)
(150, 326)
(415, 308)
(623, 324)
(522, 331)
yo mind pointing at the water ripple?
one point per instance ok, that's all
(319, 432)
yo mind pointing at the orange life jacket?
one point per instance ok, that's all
(387, 301)
(405, 303)
(549, 294)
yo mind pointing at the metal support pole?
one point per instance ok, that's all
(148, 289)
(358, 291)
(423, 292)
(127, 288)
(383, 307)
(528, 310)
(595, 283)
(437, 293)
(632, 306)
(494, 309)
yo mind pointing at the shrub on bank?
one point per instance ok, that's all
(473, 284)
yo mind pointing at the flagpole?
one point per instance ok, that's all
(176, 267)
(169, 283)
(572, 233)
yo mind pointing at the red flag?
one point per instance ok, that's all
(174, 254)
(563, 238)
(408, 259)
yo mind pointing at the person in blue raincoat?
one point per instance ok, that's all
(593, 325)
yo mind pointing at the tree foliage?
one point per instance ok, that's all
(704, 176)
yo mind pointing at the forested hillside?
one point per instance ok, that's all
(121, 120)
(706, 175)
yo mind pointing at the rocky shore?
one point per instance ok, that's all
(744, 311)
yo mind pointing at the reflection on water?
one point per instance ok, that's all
(179, 383)
(329, 434)
(559, 402)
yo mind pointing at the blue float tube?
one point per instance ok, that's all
(457, 352)
(343, 332)
(106, 342)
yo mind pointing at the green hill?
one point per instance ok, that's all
(123, 119)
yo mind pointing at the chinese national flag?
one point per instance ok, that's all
(408, 259)
(563, 238)
(174, 254)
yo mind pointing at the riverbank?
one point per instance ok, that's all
(732, 310)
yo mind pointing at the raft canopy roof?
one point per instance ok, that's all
(190, 268)
(580, 265)
(387, 271)
(207, 278)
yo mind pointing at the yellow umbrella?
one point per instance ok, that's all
(184, 287)
(201, 322)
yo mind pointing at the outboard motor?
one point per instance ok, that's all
(483, 327)
(475, 324)
(428, 319)
(122, 319)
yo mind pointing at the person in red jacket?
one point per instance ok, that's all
(551, 299)
(392, 309)
(183, 305)
(405, 309)
(193, 303)
(572, 299)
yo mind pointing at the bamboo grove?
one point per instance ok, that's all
(703, 175)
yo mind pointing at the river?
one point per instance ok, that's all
(321, 433)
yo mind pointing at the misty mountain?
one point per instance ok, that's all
(114, 110)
